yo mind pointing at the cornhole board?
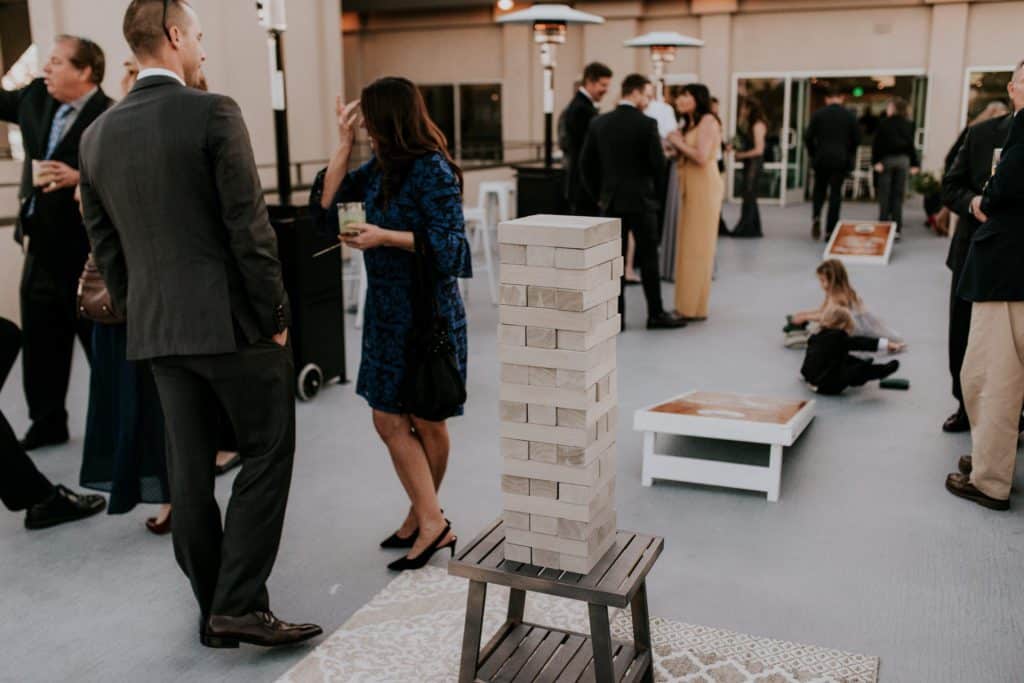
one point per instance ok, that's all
(776, 422)
(862, 242)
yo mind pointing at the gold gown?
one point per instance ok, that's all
(701, 191)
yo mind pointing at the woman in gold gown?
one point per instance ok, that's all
(701, 191)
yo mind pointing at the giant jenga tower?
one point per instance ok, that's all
(560, 283)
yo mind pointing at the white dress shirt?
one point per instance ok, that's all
(157, 71)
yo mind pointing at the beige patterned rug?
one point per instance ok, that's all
(412, 631)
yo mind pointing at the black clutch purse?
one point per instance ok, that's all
(433, 388)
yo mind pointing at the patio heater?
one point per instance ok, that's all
(550, 24)
(314, 285)
(663, 46)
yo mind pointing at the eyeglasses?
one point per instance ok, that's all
(167, 31)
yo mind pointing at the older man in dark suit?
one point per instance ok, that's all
(53, 112)
(175, 212)
(961, 191)
(577, 117)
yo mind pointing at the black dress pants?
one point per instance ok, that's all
(647, 235)
(50, 325)
(21, 484)
(228, 567)
(959, 331)
(828, 182)
(854, 372)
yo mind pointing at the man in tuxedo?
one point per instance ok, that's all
(831, 138)
(22, 486)
(961, 192)
(174, 208)
(621, 166)
(577, 117)
(52, 112)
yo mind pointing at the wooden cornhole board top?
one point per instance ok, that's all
(862, 242)
(731, 416)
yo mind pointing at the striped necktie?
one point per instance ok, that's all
(56, 133)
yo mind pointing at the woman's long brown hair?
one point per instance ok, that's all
(838, 289)
(398, 121)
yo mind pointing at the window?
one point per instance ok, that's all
(985, 86)
(469, 114)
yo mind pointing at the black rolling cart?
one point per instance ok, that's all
(315, 291)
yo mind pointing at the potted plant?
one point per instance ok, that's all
(930, 188)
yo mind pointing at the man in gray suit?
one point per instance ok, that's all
(174, 210)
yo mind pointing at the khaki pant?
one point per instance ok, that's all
(993, 385)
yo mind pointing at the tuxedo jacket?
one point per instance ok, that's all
(832, 137)
(175, 213)
(55, 230)
(829, 350)
(622, 161)
(577, 117)
(966, 179)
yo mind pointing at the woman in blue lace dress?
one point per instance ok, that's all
(412, 190)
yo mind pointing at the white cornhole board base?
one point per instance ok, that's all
(867, 242)
(733, 417)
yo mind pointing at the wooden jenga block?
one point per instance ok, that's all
(513, 412)
(517, 485)
(540, 256)
(516, 449)
(581, 531)
(541, 337)
(542, 452)
(575, 456)
(582, 280)
(604, 387)
(584, 475)
(584, 565)
(542, 377)
(551, 395)
(518, 553)
(573, 232)
(545, 543)
(602, 424)
(575, 300)
(541, 297)
(541, 415)
(514, 254)
(562, 436)
(513, 295)
(512, 335)
(515, 374)
(519, 520)
(613, 308)
(582, 379)
(538, 505)
(585, 321)
(571, 417)
(542, 488)
(617, 267)
(584, 341)
(542, 524)
(545, 558)
(562, 360)
(588, 258)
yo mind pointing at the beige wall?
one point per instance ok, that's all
(236, 65)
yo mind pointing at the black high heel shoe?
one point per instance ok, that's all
(420, 561)
(396, 541)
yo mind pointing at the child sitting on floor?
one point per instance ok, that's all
(838, 292)
(830, 368)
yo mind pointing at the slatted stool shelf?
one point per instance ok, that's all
(522, 651)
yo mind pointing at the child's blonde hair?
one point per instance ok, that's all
(838, 318)
(838, 289)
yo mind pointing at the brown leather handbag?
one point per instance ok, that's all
(94, 302)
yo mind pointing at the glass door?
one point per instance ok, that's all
(796, 154)
(917, 102)
(772, 94)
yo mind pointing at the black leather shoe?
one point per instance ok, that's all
(256, 628)
(957, 423)
(960, 485)
(38, 437)
(665, 321)
(965, 464)
(816, 229)
(63, 506)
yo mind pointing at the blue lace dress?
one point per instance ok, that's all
(430, 205)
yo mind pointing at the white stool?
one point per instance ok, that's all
(478, 231)
(504, 191)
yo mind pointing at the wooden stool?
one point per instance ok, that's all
(522, 651)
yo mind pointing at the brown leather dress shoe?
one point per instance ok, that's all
(256, 628)
(960, 485)
(965, 465)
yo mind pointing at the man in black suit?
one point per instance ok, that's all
(831, 137)
(621, 166)
(961, 192)
(22, 486)
(174, 209)
(577, 117)
(53, 112)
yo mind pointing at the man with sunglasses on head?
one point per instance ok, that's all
(53, 112)
(175, 212)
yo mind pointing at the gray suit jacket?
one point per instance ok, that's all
(175, 214)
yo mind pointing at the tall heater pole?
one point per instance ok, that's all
(272, 16)
(547, 60)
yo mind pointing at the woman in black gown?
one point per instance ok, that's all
(752, 156)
